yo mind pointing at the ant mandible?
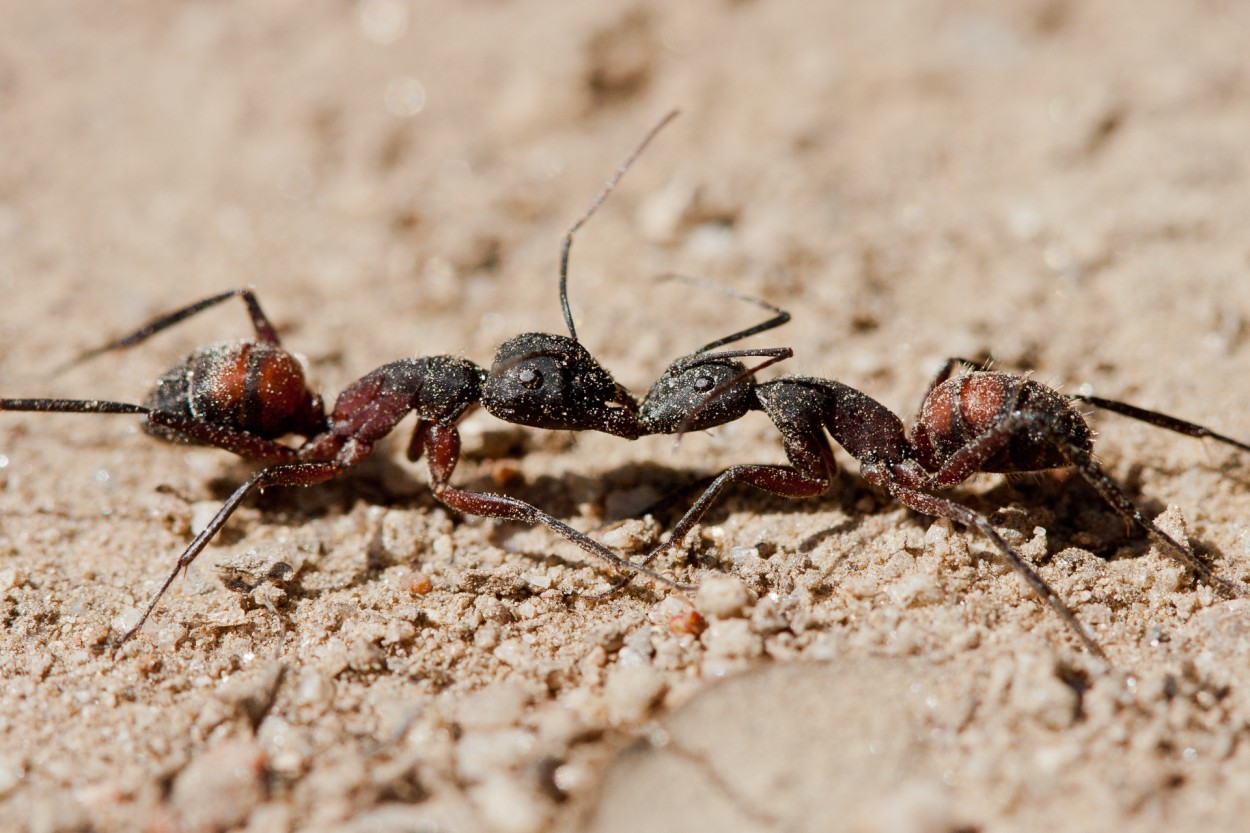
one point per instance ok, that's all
(244, 396)
(980, 421)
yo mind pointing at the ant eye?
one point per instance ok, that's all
(703, 384)
(530, 378)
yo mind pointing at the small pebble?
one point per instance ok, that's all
(689, 622)
(632, 691)
(496, 706)
(722, 596)
(416, 583)
(481, 755)
(632, 536)
(915, 590)
(219, 788)
(733, 638)
(12, 773)
(510, 807)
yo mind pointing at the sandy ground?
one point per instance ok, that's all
(1062, 185)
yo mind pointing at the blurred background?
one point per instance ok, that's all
(1061, 185)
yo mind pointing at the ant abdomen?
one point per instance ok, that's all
(962, 409)
(252, 387)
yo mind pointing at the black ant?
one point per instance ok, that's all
(980, 421)
(244, 396)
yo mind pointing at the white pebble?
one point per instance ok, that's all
(733, 638)
(482, 755)
(219, 788)
(632, 691)
(722, 596)
(493, 707)
(509, 807)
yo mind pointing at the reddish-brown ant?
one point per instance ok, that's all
(980, 421)
(244, 396)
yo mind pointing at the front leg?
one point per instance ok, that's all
(440, 443)
(779, 480)
(810, 475)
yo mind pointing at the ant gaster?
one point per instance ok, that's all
(980, 421)
(244, 396)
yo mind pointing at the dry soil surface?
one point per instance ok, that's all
(1062, 185)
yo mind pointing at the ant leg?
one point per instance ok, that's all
(1112, 494)
(968, 460)
(248, 446)
(265, 331)
(245, 445)
(441, 445)
(939, 507)
(1158, 420)
(810, 473)
(779, 480)
(297, 474)
(972, 456)
(72, 406)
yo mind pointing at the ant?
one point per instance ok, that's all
(244, 396)
(979, 421)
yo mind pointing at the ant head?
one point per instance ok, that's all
(696, 393)
(552, 381)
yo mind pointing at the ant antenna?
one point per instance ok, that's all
(780, 316)
(603, 195)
